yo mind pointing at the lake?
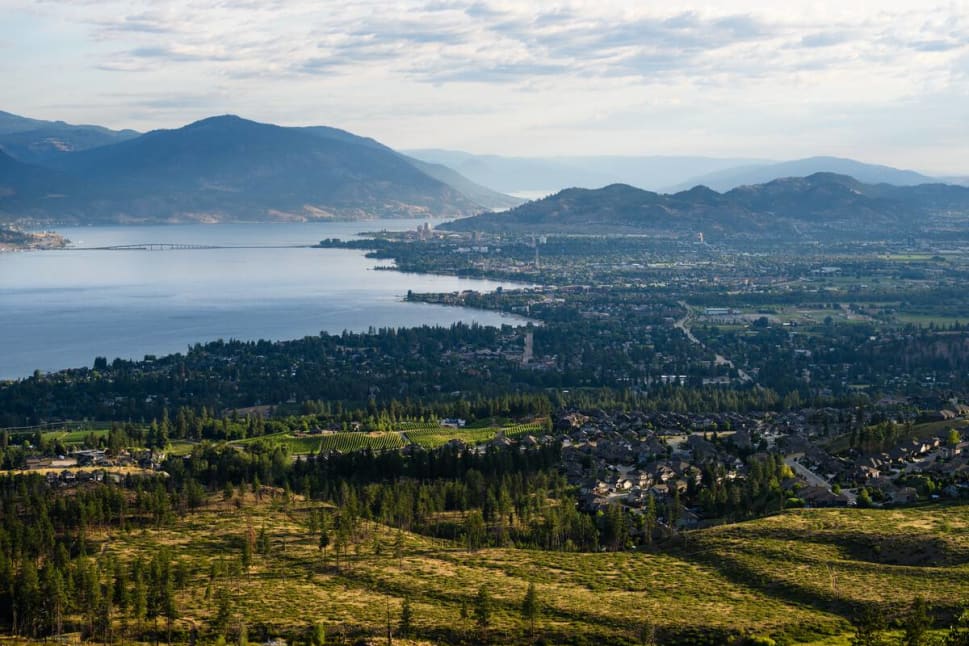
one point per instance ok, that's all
(61, 309)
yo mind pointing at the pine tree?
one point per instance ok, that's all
(649, 519)
(27, 599)
(530, 607)
(482, 608)
(324, 543)
(869, 628)
(247, 552)
(223, 612)
(317, 635)
(139, 596)
(56, 600)
(399, 549)
(122, 596)
(406, 619)
(916, 623)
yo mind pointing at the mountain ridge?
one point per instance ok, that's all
(822, 205)
(36, 141)
(510, 174)
(226, 168)
(727, 179)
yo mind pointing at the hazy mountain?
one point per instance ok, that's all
(823, 205)
(227, 168)
(36, 141)
(729, 178)
(487, 198)
(480, 195)
(512, 174)
(961, 181)
(539, 175)
(25, 189)
(15, 123)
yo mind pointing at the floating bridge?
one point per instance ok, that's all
(152, 246)
(168, 246)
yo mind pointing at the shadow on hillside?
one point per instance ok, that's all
(917, 550)
(858, 550)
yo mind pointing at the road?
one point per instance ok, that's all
(718, 359)
(816, 480)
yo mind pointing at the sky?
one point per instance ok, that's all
(884, 82)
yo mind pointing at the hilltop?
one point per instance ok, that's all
(231, 169)
(745, 175)
(795, 578)
(36, 141)
(818, 206)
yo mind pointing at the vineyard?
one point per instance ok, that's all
(418, 426)
(427, 435)
(78, 437)
(431, 438)
(437, 436)
(73, 438)
(423, 434)
(342, 442)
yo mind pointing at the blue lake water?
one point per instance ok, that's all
(60, 309)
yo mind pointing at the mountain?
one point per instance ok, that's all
(227, 168)
(724, 180)
(820, 206)
(489, 199)
(481, 195)
(35, 141)
(26, 188)
(534, 176)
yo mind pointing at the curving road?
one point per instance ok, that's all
(718, 359)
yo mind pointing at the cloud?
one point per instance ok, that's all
(824, 39)
(463, 41)
(528, 68)
(142, 23)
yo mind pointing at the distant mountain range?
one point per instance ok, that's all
(230, 169)
(724, 180)
(820, 206)
(219, 169)
(539, 176)
(535, 177)
(36, 142)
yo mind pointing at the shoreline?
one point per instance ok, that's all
(15, 240)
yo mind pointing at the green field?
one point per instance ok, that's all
(434, 437)
(74, 437)
(939, 320)
(422, 434)
(344, 442)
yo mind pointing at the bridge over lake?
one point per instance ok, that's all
(180, 246)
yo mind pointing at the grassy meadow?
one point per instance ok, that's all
(794, 577)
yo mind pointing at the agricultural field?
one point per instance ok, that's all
(68, 437)
(426, 435)
(76, 437)
(795, 577)
(343, 442)
(434, 437)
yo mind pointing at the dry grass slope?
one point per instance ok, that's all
(792, 576)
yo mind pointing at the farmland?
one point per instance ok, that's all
(424, 435)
